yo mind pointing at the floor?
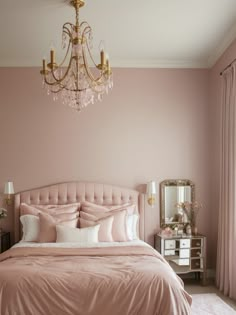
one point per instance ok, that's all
(194, 287)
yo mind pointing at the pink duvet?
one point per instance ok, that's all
(132, 280)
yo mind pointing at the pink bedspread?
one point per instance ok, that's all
(132, 280)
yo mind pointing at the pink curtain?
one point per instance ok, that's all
(226, 250)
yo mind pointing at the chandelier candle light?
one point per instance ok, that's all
(77, 83)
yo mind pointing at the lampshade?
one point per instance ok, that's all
(151, 193)
(9, 188)
(151, 188)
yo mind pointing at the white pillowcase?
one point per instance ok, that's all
(85, 235)
(132, 225)
(30, 227)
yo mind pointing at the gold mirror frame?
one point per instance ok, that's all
(172, 182)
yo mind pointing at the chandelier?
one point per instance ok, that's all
(78, 80)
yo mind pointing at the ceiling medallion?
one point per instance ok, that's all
(78, 80)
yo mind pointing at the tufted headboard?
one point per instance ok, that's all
(71, 192)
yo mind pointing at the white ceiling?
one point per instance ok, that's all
(138, 33)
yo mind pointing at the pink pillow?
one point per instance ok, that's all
(119, 226)
(90, 216)
(77, 204)
(94, 208)
(50, 209)
(92, 212)
(47, 228)
(26, 209)
(105, 230)
(56, 209)
(65, 216)
(119, 232)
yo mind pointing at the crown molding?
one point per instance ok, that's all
(119, 63)
(149, 63)
(207, 63)
(226, 42)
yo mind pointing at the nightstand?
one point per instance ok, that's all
(5, 241)
(184, 253)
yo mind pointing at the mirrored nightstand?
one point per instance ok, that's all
(184, 253)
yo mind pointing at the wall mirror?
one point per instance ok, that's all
(175, 191)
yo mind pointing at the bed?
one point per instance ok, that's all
(125, 277)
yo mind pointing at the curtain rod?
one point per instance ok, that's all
(227, 66)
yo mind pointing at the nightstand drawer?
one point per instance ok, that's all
(196, 264)
(184, 253)
(197, 242)
(184, 243)
(197, 252)
(170, 244)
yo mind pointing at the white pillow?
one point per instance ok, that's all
(66, 234)
(132, 227)
(30, 228)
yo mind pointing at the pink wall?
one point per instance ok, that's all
(214, 122)
(154, 125)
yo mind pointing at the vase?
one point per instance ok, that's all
(188, 229)
(194, 230)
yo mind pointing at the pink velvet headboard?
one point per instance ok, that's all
(77, 192)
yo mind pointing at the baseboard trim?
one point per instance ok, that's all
(211, 273)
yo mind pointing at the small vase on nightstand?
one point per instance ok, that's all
(194, 230)
(188, 229)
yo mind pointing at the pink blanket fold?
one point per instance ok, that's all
(132, 280)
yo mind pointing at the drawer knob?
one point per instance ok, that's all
(197, 264)
(199, 253)
(198, 244)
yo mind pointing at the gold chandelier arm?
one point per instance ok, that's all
(89, 73)
(67, 51)
(85, 32)
(66, 29)
(65, 75)
(84, 25)
(91, 57)
(49, 83)
(68, 23)
(57, 81)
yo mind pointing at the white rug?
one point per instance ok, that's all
(210, 304)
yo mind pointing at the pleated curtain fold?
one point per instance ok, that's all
(226, 248)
